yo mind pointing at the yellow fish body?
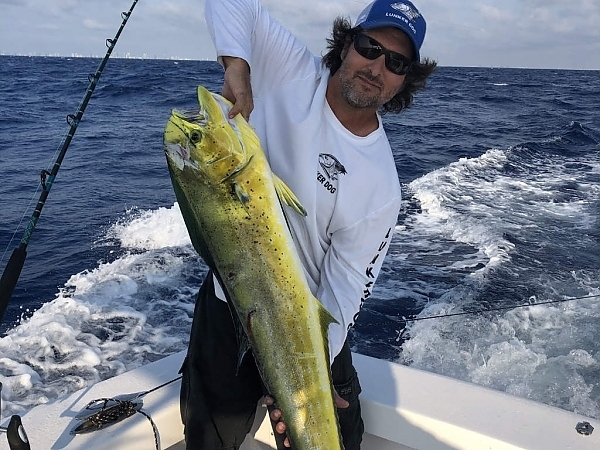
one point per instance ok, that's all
(229, 200)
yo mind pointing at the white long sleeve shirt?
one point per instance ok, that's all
(347, 184)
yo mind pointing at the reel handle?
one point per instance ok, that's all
(17, 438)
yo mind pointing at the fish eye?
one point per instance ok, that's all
(195, 136)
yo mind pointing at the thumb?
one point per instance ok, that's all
(339, 401)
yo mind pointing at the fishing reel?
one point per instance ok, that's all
(15, 433)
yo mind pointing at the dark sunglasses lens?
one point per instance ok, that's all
(366, 47)
(371, 49)
(397, 63)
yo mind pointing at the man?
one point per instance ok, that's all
(319, 123)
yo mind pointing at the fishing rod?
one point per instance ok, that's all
(13, 268)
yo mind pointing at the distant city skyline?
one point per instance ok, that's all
(534, 34)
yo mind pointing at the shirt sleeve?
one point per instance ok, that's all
(351, 267)
(244, 29)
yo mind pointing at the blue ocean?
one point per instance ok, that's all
(493, 276)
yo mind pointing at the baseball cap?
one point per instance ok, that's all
(399, 14)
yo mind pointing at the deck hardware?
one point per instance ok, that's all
(584, 428)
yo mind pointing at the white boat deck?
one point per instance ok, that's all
(403, 409)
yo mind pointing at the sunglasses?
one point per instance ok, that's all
(369, 48)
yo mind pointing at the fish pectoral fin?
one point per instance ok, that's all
(241, 193)
(237, 170)
(286, 195)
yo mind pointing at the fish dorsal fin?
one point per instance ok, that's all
(212, 107)
(286, 196)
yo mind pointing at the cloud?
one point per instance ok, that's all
(516, 33)
(177, 10)
(311, 21)
(525, 33)
(93, 25)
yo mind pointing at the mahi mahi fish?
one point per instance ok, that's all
(230, 202)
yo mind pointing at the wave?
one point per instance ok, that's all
(120, 315)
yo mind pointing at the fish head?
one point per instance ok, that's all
(206, 139)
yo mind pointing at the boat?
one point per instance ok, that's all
(403, 409)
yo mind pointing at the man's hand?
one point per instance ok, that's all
(237, 88)
(281, 427)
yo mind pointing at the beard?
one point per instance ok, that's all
(352, 89)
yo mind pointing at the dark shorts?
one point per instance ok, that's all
(219, 399)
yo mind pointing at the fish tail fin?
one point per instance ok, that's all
(286, 195)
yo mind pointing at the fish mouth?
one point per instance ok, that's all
(184, 124)
(178, 155)
(178, 150)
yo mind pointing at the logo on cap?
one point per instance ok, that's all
(407, 10)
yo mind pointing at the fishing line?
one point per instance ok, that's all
(467, 313)
(15, 264)
(31, 199)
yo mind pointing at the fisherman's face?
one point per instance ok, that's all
(366, 83)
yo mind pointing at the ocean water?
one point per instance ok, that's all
(500, 170)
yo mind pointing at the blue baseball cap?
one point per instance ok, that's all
(399, 14)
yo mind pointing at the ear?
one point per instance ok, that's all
(344, 52)
(346, 48)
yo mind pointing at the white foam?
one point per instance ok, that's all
(105, 321)
(538, 352)
(473, 211)
(153, 229)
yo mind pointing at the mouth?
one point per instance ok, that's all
(177, 149)
(177, 154)
(368, 80)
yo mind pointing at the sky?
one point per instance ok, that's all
(554, 34)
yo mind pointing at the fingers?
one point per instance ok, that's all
(243, 105)
(339, 401)
(275, 415)
(278, 425)
(269, 401)
(237, 88)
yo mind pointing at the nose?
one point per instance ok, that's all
(377, 65)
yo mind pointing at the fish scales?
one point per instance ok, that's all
(230, 202)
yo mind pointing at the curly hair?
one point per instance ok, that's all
(340, 40)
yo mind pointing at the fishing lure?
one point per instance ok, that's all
(103, 412)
